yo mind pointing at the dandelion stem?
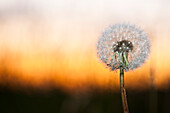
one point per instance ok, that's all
(114, 56)
(123, 91)
(125, 55)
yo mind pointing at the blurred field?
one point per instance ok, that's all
(50, 46)
(47, 43)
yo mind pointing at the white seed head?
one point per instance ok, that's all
(130, 34)
(123, 44)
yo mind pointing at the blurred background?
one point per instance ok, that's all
(48, 61)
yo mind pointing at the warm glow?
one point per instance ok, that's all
(55, 46)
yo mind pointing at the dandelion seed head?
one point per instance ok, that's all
(123, 38)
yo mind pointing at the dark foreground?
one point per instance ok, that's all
(57, 101)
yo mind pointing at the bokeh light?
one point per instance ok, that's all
(47, 44)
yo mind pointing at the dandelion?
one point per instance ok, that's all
(124, 47)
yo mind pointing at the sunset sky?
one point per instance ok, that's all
(51, 44)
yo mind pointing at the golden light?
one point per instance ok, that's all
(55, 48)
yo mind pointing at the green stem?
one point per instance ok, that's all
(123, 91)
(114, 56)
(125, 55)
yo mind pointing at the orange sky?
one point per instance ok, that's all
(52, 45)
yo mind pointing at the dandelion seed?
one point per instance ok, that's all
(138, 45)
(124, 51)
